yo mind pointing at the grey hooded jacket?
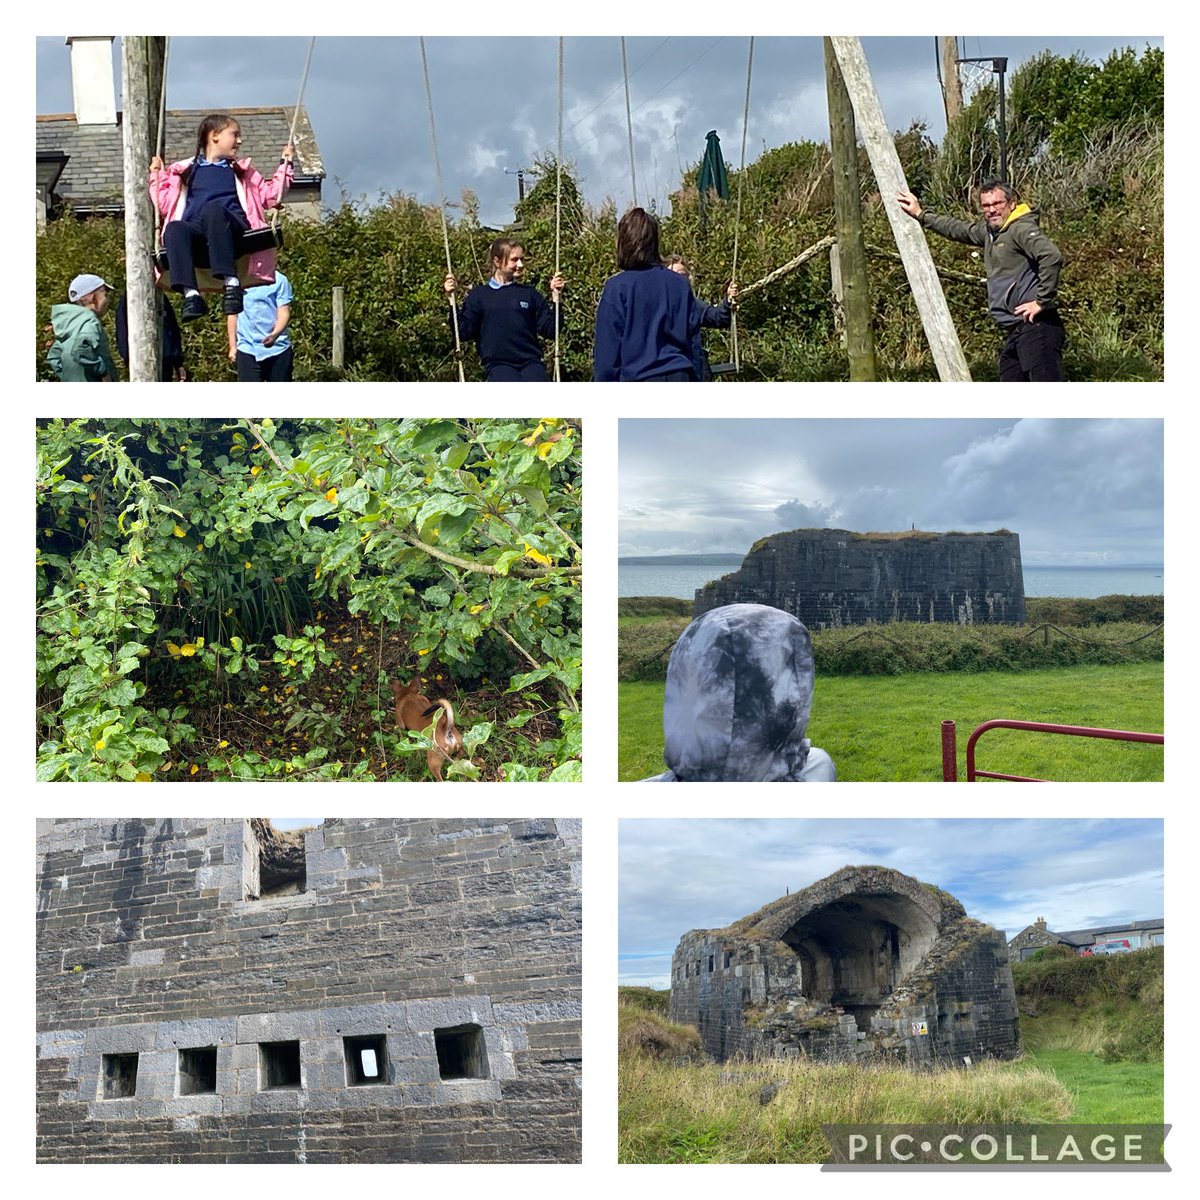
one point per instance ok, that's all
(739, 692)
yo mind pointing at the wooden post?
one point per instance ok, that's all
(339, 327)
(951, 84)
(138, 124)
(910, 239)
(839, 299)
(847, 204)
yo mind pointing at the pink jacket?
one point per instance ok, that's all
(255, 194)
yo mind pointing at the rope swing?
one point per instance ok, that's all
(737, 217)
(558, 214)
(437, 167)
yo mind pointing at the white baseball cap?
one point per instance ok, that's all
(84, 285)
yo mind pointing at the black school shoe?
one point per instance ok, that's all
(231, 303)
(193, 308)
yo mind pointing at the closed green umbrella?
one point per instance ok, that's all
(712, 169)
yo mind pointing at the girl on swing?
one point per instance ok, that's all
(206, 203)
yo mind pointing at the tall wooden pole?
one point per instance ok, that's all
(847, 205)
(910, 239)
(139, 122)
(951, 84)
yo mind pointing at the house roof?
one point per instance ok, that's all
(92, 177)
(1086, 937)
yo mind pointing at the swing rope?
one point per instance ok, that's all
(737, 218)
(558, 215)
(437, 167)
(629, 124)
(162, 142)
(312, 41)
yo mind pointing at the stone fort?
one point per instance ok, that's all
(375, 990)
(830, 578)
(867, 962)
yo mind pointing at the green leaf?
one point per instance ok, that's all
(534, 497)
(506, 560)
(318, 508)
(568, 772)
(433, 435)
(456, 455)
(477, 735)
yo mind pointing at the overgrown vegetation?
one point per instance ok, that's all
(228, 599)
(1109, 1005)
(676, 1107)
(1087, 150)
(1073, 633)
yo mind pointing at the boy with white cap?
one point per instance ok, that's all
(80, 352)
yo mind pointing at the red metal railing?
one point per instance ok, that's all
(950, 745)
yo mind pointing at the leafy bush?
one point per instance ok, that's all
(182, 559)
(902, 646)
(1117, 997)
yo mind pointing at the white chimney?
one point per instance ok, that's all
(92, 80)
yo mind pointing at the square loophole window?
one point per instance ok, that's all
(461, 1052)
(278, 1065)
(120, 1076)
(366, 1060)
(198, 1071)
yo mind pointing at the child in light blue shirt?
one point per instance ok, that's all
(258, 339)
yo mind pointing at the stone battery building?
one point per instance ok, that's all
(832, 577)
(379, 990)
(866, 962)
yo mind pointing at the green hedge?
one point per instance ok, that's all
(902, 646)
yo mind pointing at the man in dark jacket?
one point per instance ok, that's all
(1022, 266)
(506, 317)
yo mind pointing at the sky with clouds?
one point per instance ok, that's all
(495, 100)
(1080, 492)
(678, 875)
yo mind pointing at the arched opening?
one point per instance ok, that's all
(854, 952)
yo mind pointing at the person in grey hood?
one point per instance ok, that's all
(739, 692)
(1022, 266)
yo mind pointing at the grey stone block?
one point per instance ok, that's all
(466, 1091)
(361, 1019)
(441, 1014)
(279, 1027)
(203, 1032)
(120, 1039)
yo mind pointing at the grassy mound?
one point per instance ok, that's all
(1107, 1005)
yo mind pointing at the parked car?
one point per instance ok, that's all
(1119, 946)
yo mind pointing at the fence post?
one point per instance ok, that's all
(339, 327)
(949, 753)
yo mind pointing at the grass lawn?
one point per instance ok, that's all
(1129, 1093)
(889, 727)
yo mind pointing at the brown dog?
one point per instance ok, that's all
(413, 711)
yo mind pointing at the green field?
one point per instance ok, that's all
(888, 728)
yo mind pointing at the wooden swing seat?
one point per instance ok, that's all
(256, 246)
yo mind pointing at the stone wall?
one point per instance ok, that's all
(450, 949)
(831, 578)
(868, 962)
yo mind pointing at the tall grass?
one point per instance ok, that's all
(703, 1112)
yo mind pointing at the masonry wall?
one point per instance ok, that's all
(831, 578)
(409, 932)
